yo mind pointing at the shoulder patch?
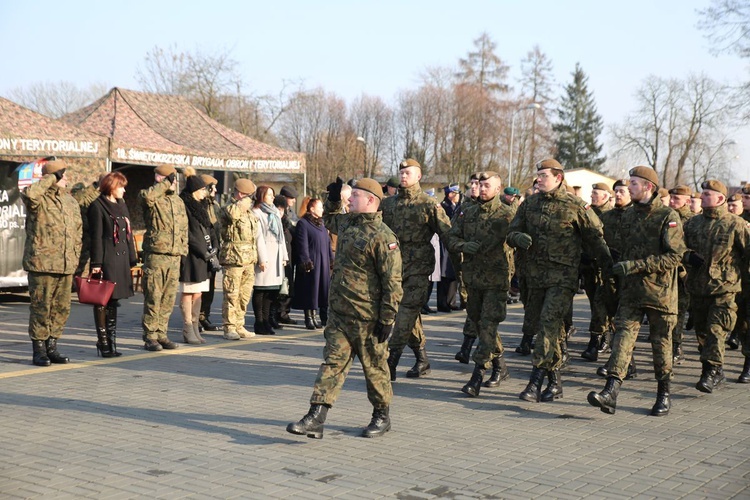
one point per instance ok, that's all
(672, 223)
(392, 246)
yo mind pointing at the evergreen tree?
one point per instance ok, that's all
(579, 126)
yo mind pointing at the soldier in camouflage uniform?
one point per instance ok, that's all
(679, 200)
(364, 297)
(214, 210)
(651, 244)
(601, 203)
(552, 227)
(479, 232)
(85, 196)
(165, 241)
(414, 217)
(470, 331)
(242, 248)
(50, 256)
(717, 259)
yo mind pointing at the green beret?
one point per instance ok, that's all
(409, 162)
(165, 170)
(549, 163)
(681, 190)
(646, 173)
(393, 182)
(511, 191)
(370, 185)
(714, 185)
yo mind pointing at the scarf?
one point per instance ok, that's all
(312, 219)
(196, 209)
(274, 221)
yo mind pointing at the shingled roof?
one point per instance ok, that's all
(156, 128)
(26, 133)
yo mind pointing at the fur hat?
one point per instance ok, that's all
(194, 183)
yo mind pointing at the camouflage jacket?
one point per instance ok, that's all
(53, 228)
(685, 214)
(560, 227)
(651, 236)
(214, 215)
(746, 215)
(486, 223)
(366, 278)
(611, 222)
(166, 220)
(242, 239)
(414, 217)
(723, 240)
(85, 196)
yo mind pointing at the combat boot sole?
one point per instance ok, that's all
(596, 399)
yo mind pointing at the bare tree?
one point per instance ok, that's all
(372, 120)
(726, 24)
(55, 99)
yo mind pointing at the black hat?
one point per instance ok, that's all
(194, 183)
(288, 191)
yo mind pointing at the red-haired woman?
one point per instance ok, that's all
(112, 254)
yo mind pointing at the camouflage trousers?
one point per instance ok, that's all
(50, 304)
(161, 275)
(347, 337)
(627, 325)
(471, 328)
(683, 305)
(600, 319)
(487, 309)
(238, 288)
(527, 328)
(546, 309)
(714, 317)
(408, 328)
(741, 325)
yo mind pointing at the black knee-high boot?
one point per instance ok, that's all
(268, 298)
(258, 297)
(100, 322)
(111, 326)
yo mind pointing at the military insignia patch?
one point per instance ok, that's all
(672, 224)
(392, 246)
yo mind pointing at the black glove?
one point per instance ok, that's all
(382, 332)
(59, 174)
(586, 259)
(695, 259)
(171, 177)
(307, 266)
(334, 190)
(210, 254)
(213, 263)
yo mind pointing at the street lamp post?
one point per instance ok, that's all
(533, 105)
(361, 140)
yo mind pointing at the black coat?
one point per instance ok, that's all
(115, 259)
(194, 267)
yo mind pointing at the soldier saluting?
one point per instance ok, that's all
(364, 297)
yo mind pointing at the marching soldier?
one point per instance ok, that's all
(651, 245)
(552, 227)
(365, 292)
(717, 259)
(241, 249)
(414, 217)
(164, 243)
(680, 202)
(479, 232)
(50, 256)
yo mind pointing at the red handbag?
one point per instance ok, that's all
(96, 292)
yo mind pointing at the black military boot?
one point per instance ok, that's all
(499, 372)
(393, 358)
(604, 346)
(308, 320)
(166, 343)
(312, 423)
(533, 391)
(662, 405)
(708, 375)
(524, 349)
(592, 350)
(677, 355)
(111, 336)
(464, 354)
(733, 341)
(607, 399)
(745, 375)
(422, 366)
(100, 322)
(475, 382)
(53, 355)
(554, 389)
(603, 371)
(40, 353)
(379, 425)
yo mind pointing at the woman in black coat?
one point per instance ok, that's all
(314, 256)
(112, 255)
(196, 266)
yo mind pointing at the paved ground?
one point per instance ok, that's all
(209, 422)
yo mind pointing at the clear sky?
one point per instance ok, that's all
(354, 47)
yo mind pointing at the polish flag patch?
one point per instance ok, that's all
(392, 246)
(672, 224)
